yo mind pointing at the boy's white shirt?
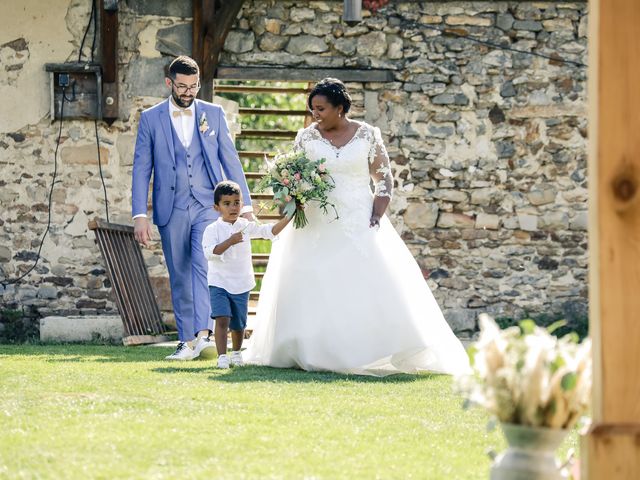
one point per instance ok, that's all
(233, 269)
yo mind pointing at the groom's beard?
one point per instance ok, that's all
(182, 103)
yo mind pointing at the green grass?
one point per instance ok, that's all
(70, 411)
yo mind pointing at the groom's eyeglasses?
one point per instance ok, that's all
(185, 88)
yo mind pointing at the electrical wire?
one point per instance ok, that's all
(93, 16)
(6, 282)
(95, 28)
(86, 31)
(73, 93)
(104, 187)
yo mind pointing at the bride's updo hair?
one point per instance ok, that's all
(334, 90)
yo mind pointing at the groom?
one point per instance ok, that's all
(187, 145)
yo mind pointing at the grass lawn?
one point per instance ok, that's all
(70, 411)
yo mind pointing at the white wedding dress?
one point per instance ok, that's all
(341, 296)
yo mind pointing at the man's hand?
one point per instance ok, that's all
(142, 230)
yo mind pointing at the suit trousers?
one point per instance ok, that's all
(187, 265)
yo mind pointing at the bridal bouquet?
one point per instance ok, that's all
(524, 375)
(296, 180)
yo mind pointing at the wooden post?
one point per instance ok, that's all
(611, 449)
(109, 36)
(212, 20)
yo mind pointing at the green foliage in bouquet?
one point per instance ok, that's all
(295, 180)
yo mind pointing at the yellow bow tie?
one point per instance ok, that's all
(187, 112)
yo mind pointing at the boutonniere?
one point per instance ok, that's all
(203, 126)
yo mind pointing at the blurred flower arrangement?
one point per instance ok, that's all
(296, 180)
(524, 375)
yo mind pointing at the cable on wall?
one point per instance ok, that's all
(65, 98)
(104, 187)
(92, 17)
(6, 282)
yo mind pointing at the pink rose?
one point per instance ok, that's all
(297, 176)
(285, 181)
(321, 167)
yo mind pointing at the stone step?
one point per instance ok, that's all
(81, 328)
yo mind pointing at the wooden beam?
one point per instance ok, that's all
(212, 20)
(273, 111)
(255, 154)
(254, 175)
(109, 41)
(303, 74)
(265, 197)
(245, 133)
(259, 89)
(611, 449)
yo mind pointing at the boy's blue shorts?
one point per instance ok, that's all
(232, 305)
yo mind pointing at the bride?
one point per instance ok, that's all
(345, 295)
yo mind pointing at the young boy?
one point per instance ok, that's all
(227, 247)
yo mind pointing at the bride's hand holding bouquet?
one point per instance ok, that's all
(296, 180)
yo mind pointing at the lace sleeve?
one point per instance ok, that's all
(297, 143)
(304, 136)
(379, 166)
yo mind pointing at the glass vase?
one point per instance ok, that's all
(530, 454)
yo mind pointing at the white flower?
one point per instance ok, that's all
(203, 126)
(525, 375)
(305, 186)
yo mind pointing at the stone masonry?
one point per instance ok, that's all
(488, 145)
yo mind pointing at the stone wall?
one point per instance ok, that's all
(488, 145)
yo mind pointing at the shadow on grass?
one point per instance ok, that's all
(288, 375)
(73, 352)
(190, 367)
(78, 353)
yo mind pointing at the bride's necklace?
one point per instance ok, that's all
(335, 141)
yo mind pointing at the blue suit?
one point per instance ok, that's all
(183, 183)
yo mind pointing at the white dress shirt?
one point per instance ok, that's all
(183, 124)
(233, 269)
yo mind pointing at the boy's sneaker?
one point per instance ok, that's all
(236, 359)
(223, 361)
(204, 348)
(183, 352)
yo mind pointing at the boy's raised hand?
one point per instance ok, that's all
(235, 238)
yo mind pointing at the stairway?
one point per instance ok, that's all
(255, 142)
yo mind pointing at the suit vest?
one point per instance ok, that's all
(192, 177)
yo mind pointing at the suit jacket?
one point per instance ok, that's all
(155, 153)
